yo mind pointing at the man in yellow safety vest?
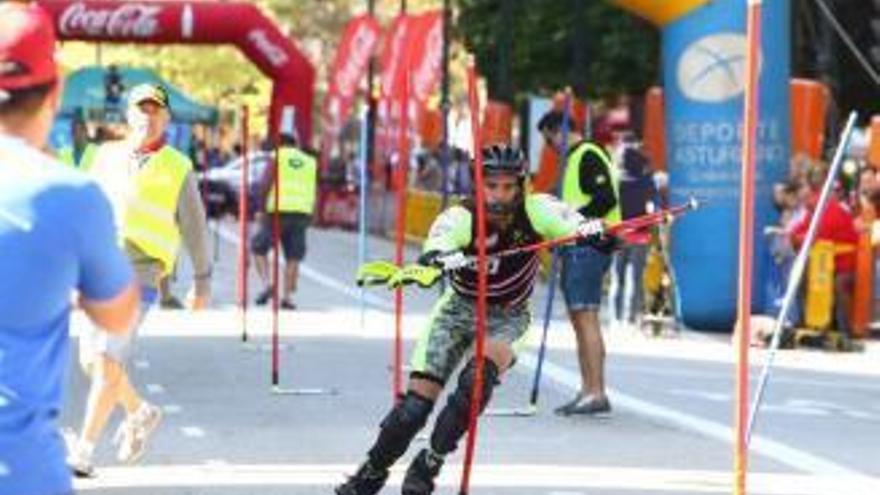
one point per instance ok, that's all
(590, 185)
(157, 204)
(297, 176)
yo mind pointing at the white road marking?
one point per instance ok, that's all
(857, 414)
(700, 394)
(518, 476)
(141, 364)
(794, 410)
(155, 388)
(796, 407)
(706, 375)
(171, 409)
(192, 432)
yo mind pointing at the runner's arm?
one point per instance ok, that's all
(108, 289)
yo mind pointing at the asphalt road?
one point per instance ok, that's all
(227, 431)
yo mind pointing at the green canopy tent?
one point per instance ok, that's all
(84, 93)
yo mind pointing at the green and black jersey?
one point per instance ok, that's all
(511, 278)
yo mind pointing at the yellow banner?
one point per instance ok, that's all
(660, 12)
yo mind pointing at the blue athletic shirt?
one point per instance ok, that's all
(56, 235)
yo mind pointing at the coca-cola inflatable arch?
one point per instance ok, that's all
(202, 23)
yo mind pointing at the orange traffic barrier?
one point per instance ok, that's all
(863, 295)
(809, 104)
(874, 146)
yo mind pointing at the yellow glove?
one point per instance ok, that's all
(424, 276)
(375, 272)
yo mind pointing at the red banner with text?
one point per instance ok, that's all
(359, 40)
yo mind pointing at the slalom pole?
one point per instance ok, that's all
(746, 244)
(480, 339)
(554, 264)
(243, 226)
(797, 270)
(402, 165)
(362, 216)
(276, 246)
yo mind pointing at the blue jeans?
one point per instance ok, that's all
(583, 268)
(634, 255)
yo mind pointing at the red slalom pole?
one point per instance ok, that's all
(243, 226)
(480, 339)
(276, 245)
(401, 175)
(746, 245)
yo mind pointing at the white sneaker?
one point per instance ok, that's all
(134, 432)
(79, 460)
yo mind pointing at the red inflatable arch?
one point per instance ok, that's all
(199, 23)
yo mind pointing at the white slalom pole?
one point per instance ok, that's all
(797, 270)
(362, 216)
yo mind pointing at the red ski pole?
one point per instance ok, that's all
(480, 339)
(635, 223)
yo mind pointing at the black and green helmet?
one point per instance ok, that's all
(503, 159)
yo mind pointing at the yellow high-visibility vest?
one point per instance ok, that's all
(297, 174)
(149, 221)
(65, 154)
(571, 187)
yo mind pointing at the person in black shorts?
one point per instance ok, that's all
(297, 175)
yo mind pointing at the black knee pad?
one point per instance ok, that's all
(399, 428)
(452, 422)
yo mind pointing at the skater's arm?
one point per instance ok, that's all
(451, 231)
(552, 218)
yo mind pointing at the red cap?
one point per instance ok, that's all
(27, 46)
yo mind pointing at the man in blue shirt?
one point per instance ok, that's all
(44, 257)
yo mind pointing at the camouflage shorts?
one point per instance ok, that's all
(451, 329)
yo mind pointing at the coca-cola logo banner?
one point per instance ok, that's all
(426, 54)
(129, 20)
(273, 52)
(358, 43)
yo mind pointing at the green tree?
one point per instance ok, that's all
(561, 43)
